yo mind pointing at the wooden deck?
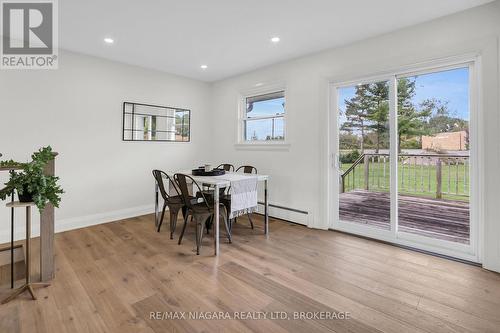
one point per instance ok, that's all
(441, 219)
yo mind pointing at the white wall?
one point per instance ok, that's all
(77, 109)
(298, 176)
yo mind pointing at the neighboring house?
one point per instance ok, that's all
(445, 141)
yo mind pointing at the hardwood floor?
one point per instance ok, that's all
(111, 277)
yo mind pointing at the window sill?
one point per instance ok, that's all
(282, 146)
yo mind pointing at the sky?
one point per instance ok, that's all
(451, 86)
(263, 128)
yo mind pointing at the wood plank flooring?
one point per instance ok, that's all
(111, 277)
(439, 219)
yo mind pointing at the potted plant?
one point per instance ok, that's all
(31, 183)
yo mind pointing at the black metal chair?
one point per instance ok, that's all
(199, 209)
(173, 202)
(226, 167)
(226, 199)
(247, 169)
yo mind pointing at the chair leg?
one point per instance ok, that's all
(184, 228)
(228, 230)
(162, 215)
(202, 225)
(230, 221)
(173, 221)
(197, 239)
(199, 236)
(208, 224)
(184, 211)
(250, 219)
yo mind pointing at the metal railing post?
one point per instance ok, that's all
(439, 193)
(367, 171)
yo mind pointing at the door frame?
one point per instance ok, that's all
(473, 251)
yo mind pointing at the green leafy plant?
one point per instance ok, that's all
(32, 180)
(350, 157)
(10, 164)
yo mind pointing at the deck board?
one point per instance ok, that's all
(441, 219)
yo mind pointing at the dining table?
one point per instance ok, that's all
(219, 182)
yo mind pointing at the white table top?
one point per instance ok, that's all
(221, 181)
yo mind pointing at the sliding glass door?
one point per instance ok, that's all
(403, 151)
(363, 155)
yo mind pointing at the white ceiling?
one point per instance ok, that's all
(232, 36)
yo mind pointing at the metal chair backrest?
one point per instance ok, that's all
(247, 169)
(181, 180)
(226, 167)
(159, 175)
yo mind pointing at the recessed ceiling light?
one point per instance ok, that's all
(259, 84)
(109, 40)
(203, 66)
(275, 39)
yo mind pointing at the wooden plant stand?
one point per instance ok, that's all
(28, 285)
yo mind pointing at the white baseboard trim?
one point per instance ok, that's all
(78, 222)
(304, 217)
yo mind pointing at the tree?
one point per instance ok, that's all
(410, 120)
(356, 112)
(441, 120)
(378, 112)
(348, 141)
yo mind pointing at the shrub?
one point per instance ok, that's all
(350, 157)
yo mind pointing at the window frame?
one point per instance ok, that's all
(243, 119)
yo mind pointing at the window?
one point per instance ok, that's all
(264, 117)
(143, 122)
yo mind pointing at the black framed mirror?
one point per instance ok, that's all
(146, 122)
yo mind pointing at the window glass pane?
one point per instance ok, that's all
(182, 126)
(265, 129)
(127, 134)
(154, 110)
(363, 137)
(433, 161)
(266, 105)
(128, 107)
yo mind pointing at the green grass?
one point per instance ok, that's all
(413, 179)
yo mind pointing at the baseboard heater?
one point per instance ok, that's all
(286, 208)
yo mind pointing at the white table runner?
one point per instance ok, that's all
(243, 193)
